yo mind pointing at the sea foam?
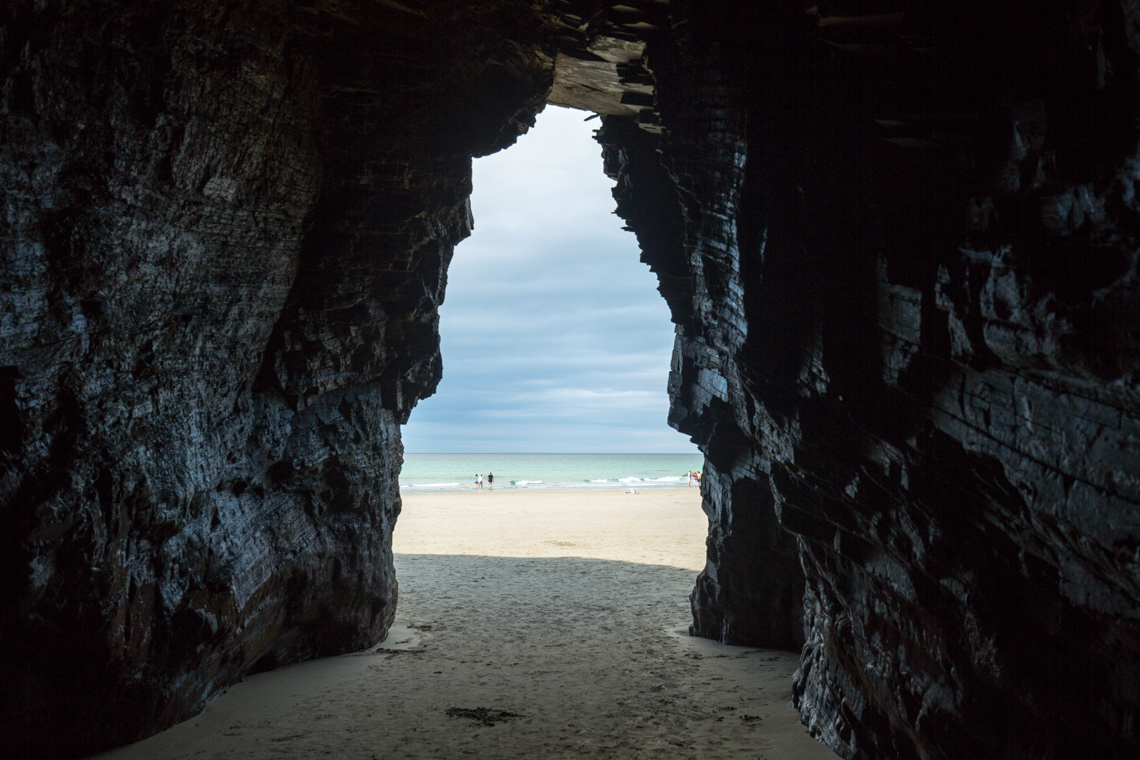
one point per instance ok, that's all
(455, 472)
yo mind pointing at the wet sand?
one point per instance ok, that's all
(530, 625)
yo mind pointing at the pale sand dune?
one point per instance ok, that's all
(567, 609)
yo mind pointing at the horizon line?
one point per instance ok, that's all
(559, 453)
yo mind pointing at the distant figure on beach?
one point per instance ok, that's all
(632, 491)
(491, 480)
(478, 480)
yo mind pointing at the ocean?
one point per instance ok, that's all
(456, 472)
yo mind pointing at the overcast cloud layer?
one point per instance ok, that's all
(554, 336)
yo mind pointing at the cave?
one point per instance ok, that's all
(898, 241)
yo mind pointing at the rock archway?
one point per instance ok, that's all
(898, 239)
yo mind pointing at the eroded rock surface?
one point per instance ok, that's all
(908, 317)
(226, 231)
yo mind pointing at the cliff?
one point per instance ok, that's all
(226, 233)
(900, 243)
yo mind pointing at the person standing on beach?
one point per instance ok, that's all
(491, 480)
(478, 480)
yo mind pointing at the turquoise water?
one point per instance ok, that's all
(456, 472)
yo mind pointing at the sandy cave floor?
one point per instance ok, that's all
(530, 625)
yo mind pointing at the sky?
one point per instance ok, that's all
(554, 337)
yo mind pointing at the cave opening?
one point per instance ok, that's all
(564, 618)
(900, 245)
(553, 335)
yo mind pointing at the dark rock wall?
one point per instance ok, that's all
(908, 319)
(225, 233)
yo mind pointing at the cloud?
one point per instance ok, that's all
(554, 337)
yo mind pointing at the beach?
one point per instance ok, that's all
(529, 625)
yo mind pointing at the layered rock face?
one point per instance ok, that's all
(898, 240)
(900, 243)
(226, 230)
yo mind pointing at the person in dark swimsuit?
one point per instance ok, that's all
(491, 480)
